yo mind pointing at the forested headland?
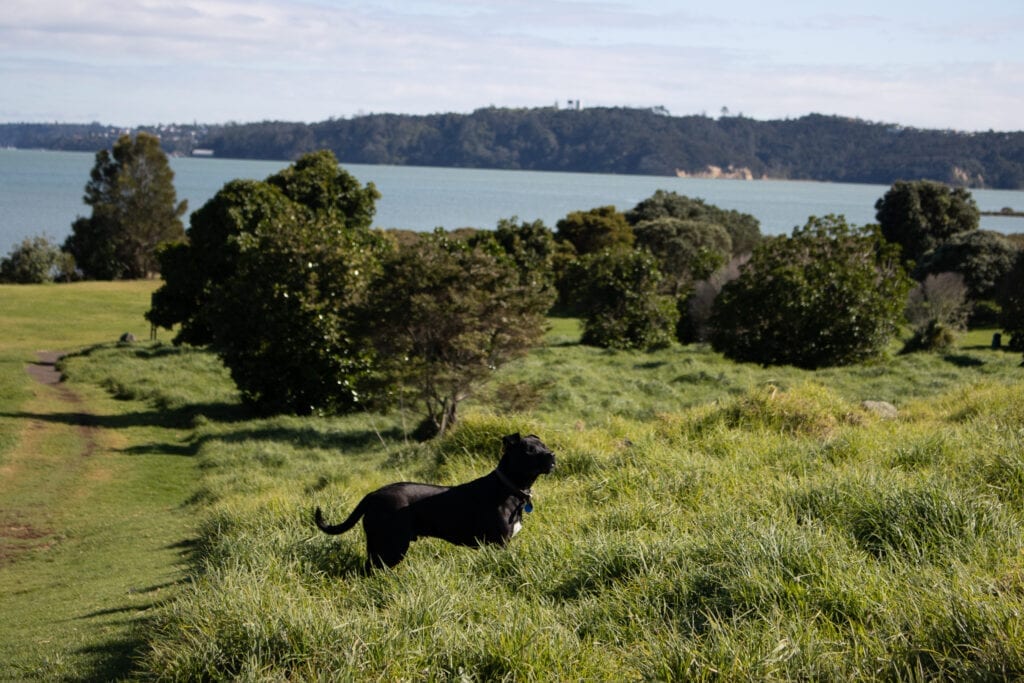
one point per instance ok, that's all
(597, 140)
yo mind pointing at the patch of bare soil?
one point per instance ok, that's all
(46, 373)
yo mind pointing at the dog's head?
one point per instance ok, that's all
(524, 458)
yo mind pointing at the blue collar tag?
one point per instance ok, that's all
(528, 507)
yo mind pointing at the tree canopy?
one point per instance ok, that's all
(599, 229)
(919, 215)
(134, 211)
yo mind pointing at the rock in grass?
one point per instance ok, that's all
(882, 409)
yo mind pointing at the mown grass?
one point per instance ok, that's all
(92, 527)
(706, 521)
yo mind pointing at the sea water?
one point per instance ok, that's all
(41, 194)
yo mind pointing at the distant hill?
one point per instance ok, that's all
(599, 140)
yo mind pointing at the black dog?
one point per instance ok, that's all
(485, 510)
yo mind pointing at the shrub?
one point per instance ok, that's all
(686, 250)
(271, 277)
(444, 315)
(618, 294)
(982, 257)
(828, 295)
(744, 230)
(596, 230)
(1010, 296)
(36, 260)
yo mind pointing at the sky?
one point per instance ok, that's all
(936, 64)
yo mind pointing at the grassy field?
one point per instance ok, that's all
(92, 523)
(706, 521)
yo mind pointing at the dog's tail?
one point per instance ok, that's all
(336, 529)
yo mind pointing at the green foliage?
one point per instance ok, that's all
(1010, 295)
(919, 215)
(134, 211)
(830, 294)
(686, 250)
(982, 257)
(596, 230)
(536, 253)
(744, 230)
(618, 291)
(444, 315)
(272, 275)
(36, 260)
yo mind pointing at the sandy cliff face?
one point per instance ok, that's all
(731, 172)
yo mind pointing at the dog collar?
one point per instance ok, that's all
(525, 495)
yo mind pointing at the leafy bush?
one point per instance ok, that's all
(272, 276)
(34, 261)
(618, 293)
(595, 230)
(687, 250)
(830, 294)
(1010, 295)
(444, 315)
(744, 230)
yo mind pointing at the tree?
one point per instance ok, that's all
(446, 314)
(919, 215)
(982, 257)
(686, 249)
(830, 294)
(744, 230)
(134, 210)
(595, 230)
(35, 260)
(273, 277)
(618, 293)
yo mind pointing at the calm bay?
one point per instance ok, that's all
(41, 194)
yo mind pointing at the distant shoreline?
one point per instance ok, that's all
(1008, 212)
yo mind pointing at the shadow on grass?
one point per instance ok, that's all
(309, 437)
(962, 360)
(117, 658)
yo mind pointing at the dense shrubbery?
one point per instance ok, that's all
(281, 276)
(619, 292)
(830, 294)
(271, 276)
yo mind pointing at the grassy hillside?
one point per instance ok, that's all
(706, 520)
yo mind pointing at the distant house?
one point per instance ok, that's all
(199, 152)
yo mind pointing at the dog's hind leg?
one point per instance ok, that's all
(386, 543)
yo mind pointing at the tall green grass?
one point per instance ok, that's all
(706, 521)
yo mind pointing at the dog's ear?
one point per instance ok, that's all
(510, 440)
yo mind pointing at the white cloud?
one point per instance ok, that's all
(184, 60)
